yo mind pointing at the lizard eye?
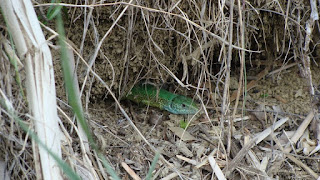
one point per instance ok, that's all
(183, 105)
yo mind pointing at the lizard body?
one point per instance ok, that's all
(162, 99)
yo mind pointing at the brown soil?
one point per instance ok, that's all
(157, 47)
(129, 56)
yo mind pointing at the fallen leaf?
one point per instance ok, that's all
(182, 134)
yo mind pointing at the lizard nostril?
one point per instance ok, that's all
(183, 105)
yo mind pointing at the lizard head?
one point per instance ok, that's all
(183, 105)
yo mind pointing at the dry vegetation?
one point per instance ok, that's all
(213, 51)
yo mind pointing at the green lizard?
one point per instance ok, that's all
(160, 98)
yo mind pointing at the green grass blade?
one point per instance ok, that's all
(74, 101)
(153, 166)
(53, 11)
(64, 166)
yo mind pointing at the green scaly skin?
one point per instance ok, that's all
(160, 98)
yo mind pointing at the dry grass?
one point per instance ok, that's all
(195, 47)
